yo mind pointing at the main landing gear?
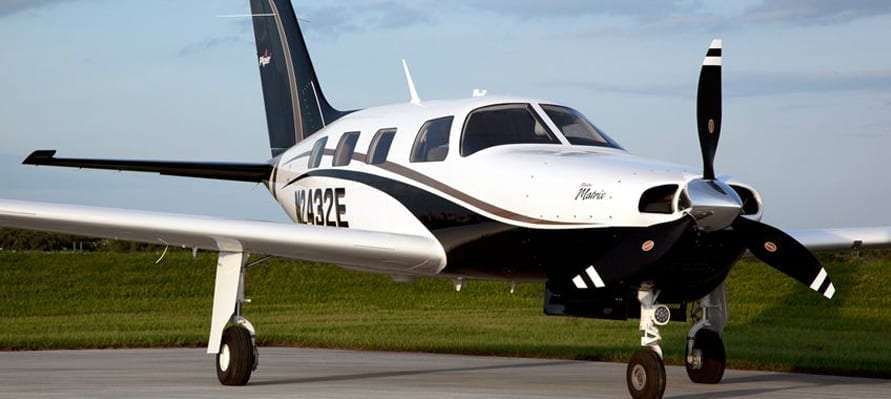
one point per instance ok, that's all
(232, 337)
(705, 357)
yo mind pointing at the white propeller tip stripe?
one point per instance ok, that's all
(595, 277)
(579, 283)
(818, 282)
(712, 61)
(830, 291)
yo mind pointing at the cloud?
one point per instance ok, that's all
(336, 19)
(773, 84)
(9, 7)
(685, 16)
(207, 44)
(751, 85)
(529, 9)
(814, 12)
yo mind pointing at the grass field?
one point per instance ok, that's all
(109, 300)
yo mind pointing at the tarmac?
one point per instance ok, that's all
(319, 373)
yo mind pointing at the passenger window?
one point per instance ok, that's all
(577, 129)
(318, 149)
(380, 146)
(432, 143)
(503, 124)
(345, 148)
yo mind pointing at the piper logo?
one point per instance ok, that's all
(266, 58)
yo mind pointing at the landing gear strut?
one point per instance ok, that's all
(645, 374)
(705, 358)
(235, 346)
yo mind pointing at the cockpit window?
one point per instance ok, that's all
(503, 124)
(577, 129)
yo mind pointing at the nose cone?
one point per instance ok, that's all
(712, 203)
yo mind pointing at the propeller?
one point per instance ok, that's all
(712, 206)
(767, 243)
(636, 251)
(708, 108)
(785, 254)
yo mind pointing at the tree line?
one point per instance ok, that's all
(28, 240)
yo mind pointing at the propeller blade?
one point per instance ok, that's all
(633, 253)
(785, 254)
(708, 108)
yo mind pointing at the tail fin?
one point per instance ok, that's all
(295, 105)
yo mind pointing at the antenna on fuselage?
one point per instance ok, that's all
(411, 84)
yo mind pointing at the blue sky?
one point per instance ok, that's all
(807, 107)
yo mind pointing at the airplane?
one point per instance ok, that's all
(487, 187)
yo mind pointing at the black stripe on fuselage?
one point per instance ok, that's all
(426, 181)
(477, 246)
(433, 211)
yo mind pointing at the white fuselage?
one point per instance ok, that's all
(535, 186)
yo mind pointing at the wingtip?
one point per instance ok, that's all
(39, 157)
(716, 43)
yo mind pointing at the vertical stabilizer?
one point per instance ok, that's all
(295, 105)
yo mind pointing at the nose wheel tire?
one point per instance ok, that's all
(645, 375)
(709, 347)
(235, 361)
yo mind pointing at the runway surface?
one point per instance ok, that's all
(317, 373)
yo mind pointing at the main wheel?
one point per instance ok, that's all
(235, 362)
(645, 375)
(712, 358)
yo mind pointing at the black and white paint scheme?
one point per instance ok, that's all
(484, 187)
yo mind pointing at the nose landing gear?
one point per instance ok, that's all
(645, 374)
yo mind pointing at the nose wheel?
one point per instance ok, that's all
(645, 374)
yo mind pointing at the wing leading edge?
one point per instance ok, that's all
(843, 238)
(368, 250)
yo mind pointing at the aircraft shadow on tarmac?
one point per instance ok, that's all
(774, 382)
(361, 376)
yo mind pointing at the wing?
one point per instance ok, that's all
(843, 238)
(368, 250)
(248, 172)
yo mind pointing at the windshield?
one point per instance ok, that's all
(503, 124)
(577, 129)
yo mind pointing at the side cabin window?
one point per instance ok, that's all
(577, 129)
(432, 142)
(318, 149)
(380, 146)
(345, 148)
(503, 124)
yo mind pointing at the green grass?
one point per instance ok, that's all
(110, 300)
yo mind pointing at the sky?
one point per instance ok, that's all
(807, 88)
